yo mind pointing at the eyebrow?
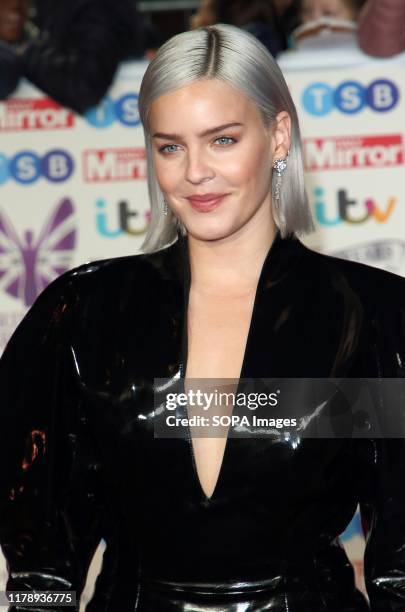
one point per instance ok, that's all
(212, 130)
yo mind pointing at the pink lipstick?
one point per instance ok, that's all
(206, 202)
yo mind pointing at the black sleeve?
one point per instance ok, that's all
(382, 503)
(52, 508)
(75, 62)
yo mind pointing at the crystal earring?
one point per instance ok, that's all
(279, 166)
(164, 206)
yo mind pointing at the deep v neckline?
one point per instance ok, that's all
(187, 285)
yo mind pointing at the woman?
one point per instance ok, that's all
(224, 289)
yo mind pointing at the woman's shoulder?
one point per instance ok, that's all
(102, 285)
(109, 274)
(110, 269)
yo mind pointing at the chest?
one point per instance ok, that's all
(217, 334)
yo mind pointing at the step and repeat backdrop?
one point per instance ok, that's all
(73, 189)
(352, 116)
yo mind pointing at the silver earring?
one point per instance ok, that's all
(164, 206)
(279, 166)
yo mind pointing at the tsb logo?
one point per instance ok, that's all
(124, 110)
(350, 97)
(27, 167)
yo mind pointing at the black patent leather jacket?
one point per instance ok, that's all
(79, 461)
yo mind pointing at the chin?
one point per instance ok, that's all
(212, 229)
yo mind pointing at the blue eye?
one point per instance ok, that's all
(165, 148)
(226, 138)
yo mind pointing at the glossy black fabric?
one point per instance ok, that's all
(80, 461)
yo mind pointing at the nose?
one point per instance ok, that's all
(198, 168)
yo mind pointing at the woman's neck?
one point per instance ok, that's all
(232, 265)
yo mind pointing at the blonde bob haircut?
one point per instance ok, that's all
(232, 55)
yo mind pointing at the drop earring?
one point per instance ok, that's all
(279, 165)
(165, 210)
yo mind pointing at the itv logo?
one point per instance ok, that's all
(347, 209)
(113, 221)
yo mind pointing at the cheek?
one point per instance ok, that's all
(166, 174)
(252, 169)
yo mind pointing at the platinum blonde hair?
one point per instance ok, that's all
(232, 55)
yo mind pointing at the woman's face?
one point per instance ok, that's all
(209, 139)
(313, 10)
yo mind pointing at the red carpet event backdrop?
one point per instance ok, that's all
(73, 189)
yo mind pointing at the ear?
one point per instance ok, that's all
(281, 136)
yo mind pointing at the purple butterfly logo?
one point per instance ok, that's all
(27, 265)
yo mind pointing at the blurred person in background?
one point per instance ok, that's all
(204, 16)
(327, 24)
(326, 36)
(15, 27)
(382, 28)
(313, 10)
(15, 31)
(258, 17)
(288, 16)
(79, 48)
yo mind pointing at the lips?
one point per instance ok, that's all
(207, 201)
